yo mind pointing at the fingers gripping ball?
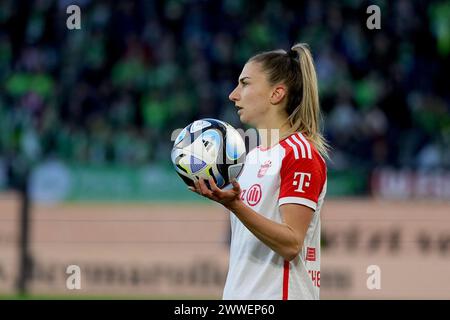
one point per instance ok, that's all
(209, 148)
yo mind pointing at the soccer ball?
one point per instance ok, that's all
(209, 148)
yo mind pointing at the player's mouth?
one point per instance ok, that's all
(239, 109)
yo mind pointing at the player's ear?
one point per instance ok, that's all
(278, 93)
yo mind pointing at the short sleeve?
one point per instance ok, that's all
(302, 178)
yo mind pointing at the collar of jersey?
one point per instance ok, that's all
(267, 149)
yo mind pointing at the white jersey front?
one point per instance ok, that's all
(290, 172)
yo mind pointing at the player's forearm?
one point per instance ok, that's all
(279, 237)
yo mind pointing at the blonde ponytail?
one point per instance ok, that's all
(306, 116)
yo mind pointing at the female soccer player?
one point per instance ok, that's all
(275, 220)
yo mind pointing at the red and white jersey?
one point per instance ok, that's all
(290, 172)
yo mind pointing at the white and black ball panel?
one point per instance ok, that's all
(209, 147)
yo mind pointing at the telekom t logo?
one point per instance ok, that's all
(301, 182)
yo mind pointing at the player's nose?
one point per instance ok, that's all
(234, 95)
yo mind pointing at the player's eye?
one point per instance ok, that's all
(243, 82)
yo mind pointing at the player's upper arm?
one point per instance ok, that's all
(297, 217)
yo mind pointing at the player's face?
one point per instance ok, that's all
(252, 95)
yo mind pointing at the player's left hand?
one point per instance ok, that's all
(224, 197)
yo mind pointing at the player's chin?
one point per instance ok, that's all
(243, 118)
(248, 121)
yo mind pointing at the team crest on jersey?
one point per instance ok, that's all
(254, 195)
(264, 167)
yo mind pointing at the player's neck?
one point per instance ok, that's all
(271, 135)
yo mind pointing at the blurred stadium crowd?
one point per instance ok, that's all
(114, 91)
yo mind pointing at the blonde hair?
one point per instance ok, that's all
(296, 69)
